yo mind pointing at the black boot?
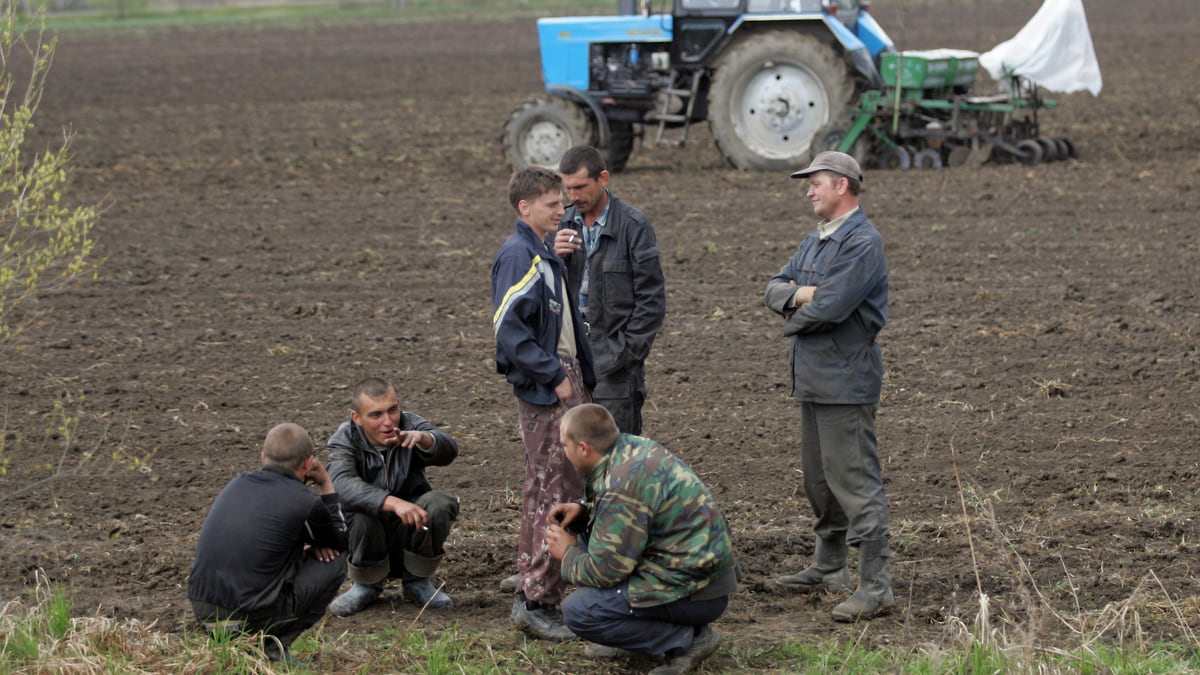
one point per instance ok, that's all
(874, 594)
(828, 569)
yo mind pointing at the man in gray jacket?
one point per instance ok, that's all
(397, 522)
(614, 269)
(833, 294)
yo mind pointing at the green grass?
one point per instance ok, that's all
(39, 634)
(135, 15)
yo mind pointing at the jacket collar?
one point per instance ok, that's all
(846, 224)
(526, 231)
(271, 468)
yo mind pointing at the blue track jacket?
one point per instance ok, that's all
(527, 299)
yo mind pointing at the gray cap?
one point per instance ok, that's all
(832, 160)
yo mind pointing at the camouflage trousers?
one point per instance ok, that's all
(549, 480)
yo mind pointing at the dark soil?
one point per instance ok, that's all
(293, 209)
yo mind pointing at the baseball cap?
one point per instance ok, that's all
(832, 160)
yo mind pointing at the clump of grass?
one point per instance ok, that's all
(1054, 389)
(1108, 640)
(40, 635)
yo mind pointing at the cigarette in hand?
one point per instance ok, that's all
(571, 239)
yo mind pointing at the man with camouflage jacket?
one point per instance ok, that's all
(651, 551)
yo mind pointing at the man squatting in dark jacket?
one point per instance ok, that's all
(269, 554)
(398, 523)
(542, 350)
(614, 268)
(833, 293)
(654, 557)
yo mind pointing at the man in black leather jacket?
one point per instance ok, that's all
(398, 523)
(614, 269)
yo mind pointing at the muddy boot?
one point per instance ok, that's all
(355, 600)
(422, 592)
(874, 594)
(511, 584)
(828, 570)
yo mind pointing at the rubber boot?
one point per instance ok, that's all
(828, 569)
(874, 593)
(356, 599)
(423, 593)
(511, 584)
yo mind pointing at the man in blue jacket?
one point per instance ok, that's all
(833, 294)
(542, 349)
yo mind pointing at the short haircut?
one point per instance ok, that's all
(582, 157)
(372, 387)
(287, 445)
(590, 423)
(854, 187)
(532, 182)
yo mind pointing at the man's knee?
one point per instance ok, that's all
(591, 612)
(576, 615)
(361, 525)
(439, 505)
(337, 571)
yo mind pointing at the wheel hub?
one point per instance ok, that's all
(545, 142)
(782, 106)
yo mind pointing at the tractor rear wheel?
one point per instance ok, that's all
(541, 129)
(771, 94)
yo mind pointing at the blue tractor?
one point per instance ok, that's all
(767, 75)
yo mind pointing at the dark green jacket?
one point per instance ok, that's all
(651, 522)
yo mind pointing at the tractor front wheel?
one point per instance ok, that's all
(541, 129)
(771, 94)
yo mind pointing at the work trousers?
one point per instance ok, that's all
(550, 480)
(604, 616)
(383, 547)
(842, 478)
(623, 394)
(301, 604)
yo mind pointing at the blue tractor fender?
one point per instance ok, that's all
(566, 91)
(863, 44)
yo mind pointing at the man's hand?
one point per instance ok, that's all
(564, 388)
(803, 294)
(409, 513)
(564, 514)
(559, 540)
(325, 555)
(422, 440)
(566, 242)
(317, 474)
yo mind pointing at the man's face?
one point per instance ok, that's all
(825, 191)
(585, 192)
(543, 213)
(378, 417)
(573, 451)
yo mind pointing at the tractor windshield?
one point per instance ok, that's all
(839, 7)
(709, 4)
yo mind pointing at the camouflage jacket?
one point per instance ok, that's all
(653, 523)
